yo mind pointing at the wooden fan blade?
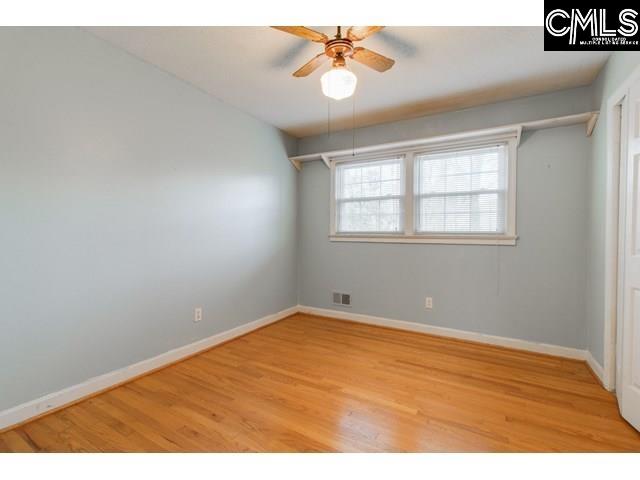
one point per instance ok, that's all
(355, 34)
(372, 59)
(305, 33)
(311, 65)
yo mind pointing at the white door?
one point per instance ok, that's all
(628, 389)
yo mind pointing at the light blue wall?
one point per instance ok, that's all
(534, 291)
(617, 69)
(127, 198)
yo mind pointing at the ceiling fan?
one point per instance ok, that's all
(340, 82)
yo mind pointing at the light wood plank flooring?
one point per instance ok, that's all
(314, 384)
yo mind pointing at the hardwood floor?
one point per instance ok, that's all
(314, 384)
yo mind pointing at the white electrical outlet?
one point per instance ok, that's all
(428, 303)
(197, 314)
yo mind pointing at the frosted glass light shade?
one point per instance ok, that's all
(338, 83)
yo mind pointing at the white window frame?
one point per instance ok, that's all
(509, 237)
(366, 159)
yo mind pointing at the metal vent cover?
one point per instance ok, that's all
(343, 299)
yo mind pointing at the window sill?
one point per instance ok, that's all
(434, 239)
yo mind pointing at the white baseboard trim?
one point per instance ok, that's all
(596, 367)
(557, 350)
(56, 400)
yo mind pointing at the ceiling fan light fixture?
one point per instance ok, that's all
(338, 83)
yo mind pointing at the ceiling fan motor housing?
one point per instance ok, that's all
(338, 47)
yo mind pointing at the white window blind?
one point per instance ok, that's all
(461, 192)
(370, 196)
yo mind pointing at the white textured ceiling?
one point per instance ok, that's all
(437, 69)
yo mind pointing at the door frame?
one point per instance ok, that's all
(616, 181)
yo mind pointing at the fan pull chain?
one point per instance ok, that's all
(328, 117)
(353, 125)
